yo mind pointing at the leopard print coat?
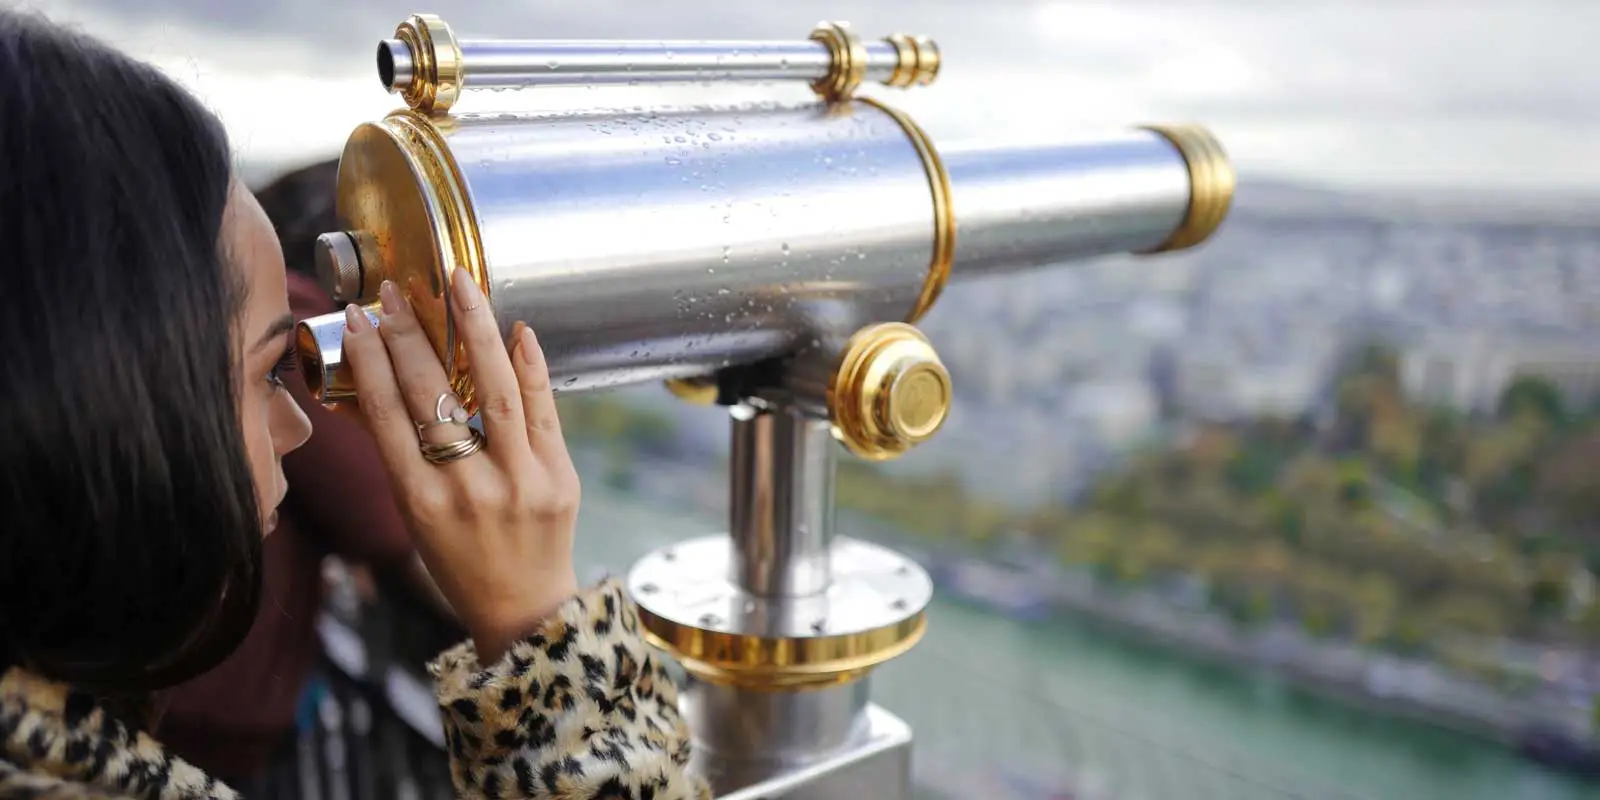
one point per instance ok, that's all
(583, 708)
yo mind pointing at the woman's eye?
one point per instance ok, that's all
(285, 364)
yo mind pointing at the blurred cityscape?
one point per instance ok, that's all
(1347, 442)
(1323, 483)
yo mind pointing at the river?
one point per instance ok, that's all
(1120, 720)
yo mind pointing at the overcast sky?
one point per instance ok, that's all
(1476, 94)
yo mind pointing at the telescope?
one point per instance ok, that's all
(773, 260)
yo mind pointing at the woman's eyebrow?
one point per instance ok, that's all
(279, 327)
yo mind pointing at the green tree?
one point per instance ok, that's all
(1376, 603)
(1530, 396)
(1379, 360)
(1253, 468)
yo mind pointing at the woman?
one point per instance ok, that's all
(147, 323)
(238, 721)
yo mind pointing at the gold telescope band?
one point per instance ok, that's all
(905, 67)
(1211, 184)
(420, 235)
(944, 221)
(847, 60)
(437, 63)
(917, 61)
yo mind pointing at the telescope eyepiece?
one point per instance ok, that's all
(395, 65)
(319, 346)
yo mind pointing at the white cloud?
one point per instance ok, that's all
(1481, 95)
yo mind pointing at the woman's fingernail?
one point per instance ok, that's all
(527, 345)
(389, 295)
(465, 289)
(355, 319)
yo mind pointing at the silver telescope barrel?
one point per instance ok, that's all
(428, 65)
(675, 245)
(670, 245)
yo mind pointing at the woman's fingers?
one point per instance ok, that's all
(379, 395)
(494, 381)
(538, 397)
(492, 521)
(421, 378)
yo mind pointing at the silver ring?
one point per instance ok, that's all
(453, 451)
(457, 415)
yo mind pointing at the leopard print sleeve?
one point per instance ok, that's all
(583, 707)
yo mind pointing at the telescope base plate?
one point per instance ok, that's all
(871, 612)
(875, 764)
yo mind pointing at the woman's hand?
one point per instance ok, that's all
(495, 527)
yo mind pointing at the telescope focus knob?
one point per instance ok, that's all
(339, 266)
(890, 393)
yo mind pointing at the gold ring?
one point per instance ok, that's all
(453, 451)
(457, 415)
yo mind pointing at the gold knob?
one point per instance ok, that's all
(890, 393)
(338, 266)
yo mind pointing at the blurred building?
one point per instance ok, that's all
(1470, 369)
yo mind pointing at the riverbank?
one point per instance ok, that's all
(1416, 690)
(1536, 725)
(1419, 690)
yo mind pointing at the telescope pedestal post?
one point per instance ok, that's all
(780, 501)
(779, 623)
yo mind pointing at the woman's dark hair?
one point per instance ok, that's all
(301, 207)
(130, 538)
